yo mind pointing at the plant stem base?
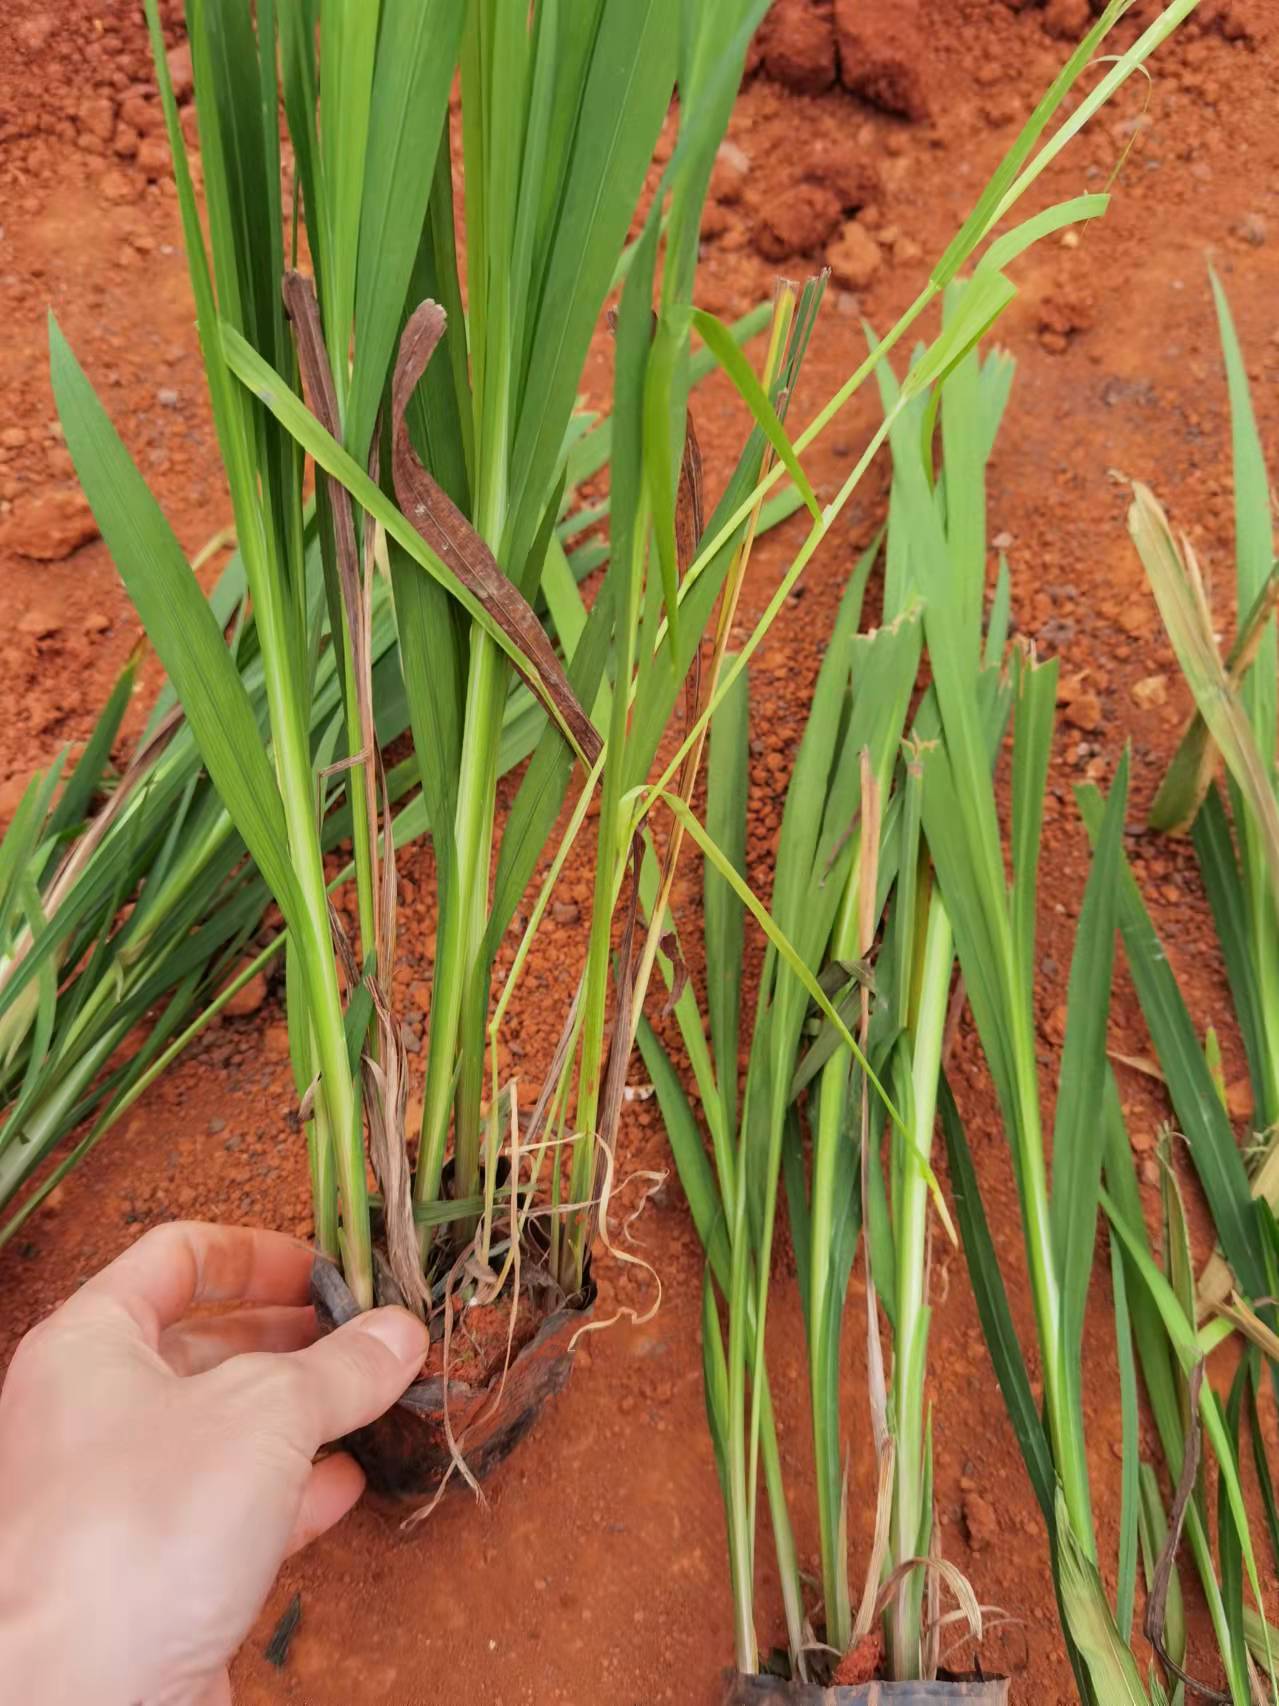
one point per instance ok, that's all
(406, 1453)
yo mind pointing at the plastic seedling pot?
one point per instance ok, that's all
(775, 1691)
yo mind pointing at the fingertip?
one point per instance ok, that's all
(332, 1489)
(402, 1333)
(353, 1374)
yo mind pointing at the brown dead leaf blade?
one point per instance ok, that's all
(456, 543)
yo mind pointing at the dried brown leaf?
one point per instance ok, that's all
(317, 381)
(456, 543)
(1157, 1600)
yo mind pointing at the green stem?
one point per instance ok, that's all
(1063, 1422)
(614, 837)
(829, 1133)
(477, 798)
(339, 1130)
(737, 1495)
(459, 1004)
(446, 1007)
(830, 1129)
(913, 1314)
(338, 1126)
(1266, 961)
(783, 1534)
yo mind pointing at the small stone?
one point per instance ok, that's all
(180, 75)
(855, 257)
(883, 54)
(728, 177)
(1150, 691)
(798, 45)
(14, 437)
(153, 157)
(1135, 616)
(97, 118)
(1239, 1099)
(141, 114)
(214, 1126)
(1252, 228)
(798, 224)
(167, 397)
(1001, 110)
(96, 622)
(247, 1000)
(34, 31)
(566, 912)
(1002, 541)
(1053, 1028)
(117, 186)
(1084, 712)
(980, 1522)
(40, 622)
(1068, 20)
(49, 528)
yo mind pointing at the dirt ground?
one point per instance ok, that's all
(598, 1570)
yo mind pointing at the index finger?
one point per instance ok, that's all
(173, 1267)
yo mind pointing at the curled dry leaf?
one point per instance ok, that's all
(386, 1097)
(1157, 1600)
(456, 543)
(304, 313)
(669, 944)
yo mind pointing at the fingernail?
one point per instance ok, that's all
(402, 1334)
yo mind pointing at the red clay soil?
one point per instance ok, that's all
(597, 1571)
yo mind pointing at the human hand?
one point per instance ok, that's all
(156, 1470)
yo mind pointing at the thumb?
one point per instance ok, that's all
(352, 1375)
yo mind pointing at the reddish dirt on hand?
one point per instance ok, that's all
(598, 1570)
